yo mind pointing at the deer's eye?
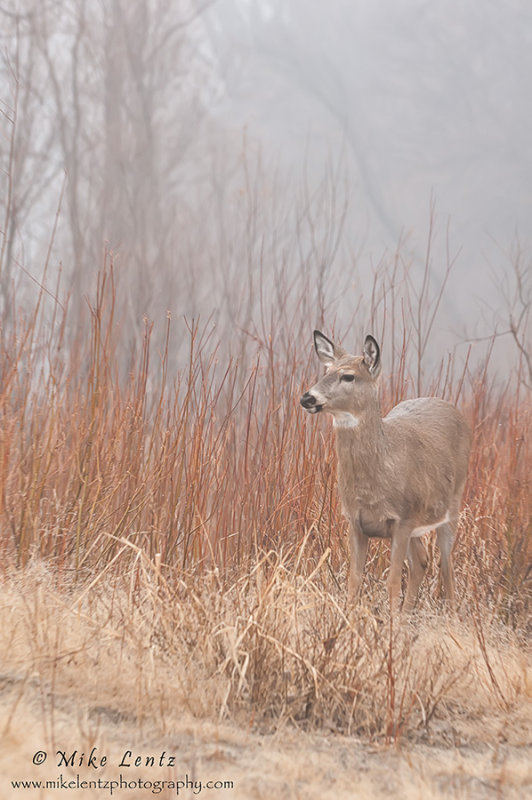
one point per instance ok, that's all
(347, 377)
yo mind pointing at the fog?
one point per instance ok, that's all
(419, 102)
(220, 148)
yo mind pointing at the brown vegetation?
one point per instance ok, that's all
(176, 548)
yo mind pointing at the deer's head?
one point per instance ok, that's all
(349, 385)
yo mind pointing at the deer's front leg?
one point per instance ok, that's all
(358, 550)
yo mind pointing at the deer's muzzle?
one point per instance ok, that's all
(308, 401)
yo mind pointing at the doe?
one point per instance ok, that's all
(399, 477)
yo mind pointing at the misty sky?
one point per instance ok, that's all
(414, 99)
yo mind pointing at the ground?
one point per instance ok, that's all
(288, 764)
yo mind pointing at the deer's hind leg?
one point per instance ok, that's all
(445, 539)
(417, 564)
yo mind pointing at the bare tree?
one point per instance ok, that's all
(29, 170)
(114, 96)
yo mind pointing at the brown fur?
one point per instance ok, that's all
(397, 474)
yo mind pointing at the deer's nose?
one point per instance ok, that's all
(308, 400)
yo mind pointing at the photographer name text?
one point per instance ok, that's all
(96, 760)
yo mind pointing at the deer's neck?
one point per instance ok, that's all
(361, 459)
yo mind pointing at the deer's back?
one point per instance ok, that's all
(431, 437)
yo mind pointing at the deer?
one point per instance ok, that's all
(400, 476)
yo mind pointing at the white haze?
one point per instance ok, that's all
(421, 103)
(224, 149)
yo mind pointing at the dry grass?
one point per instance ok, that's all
(252, 682)
(173, 570)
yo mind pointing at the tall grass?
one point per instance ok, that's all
(211, 502)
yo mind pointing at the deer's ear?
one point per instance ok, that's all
(326, 350)
(372, 356)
